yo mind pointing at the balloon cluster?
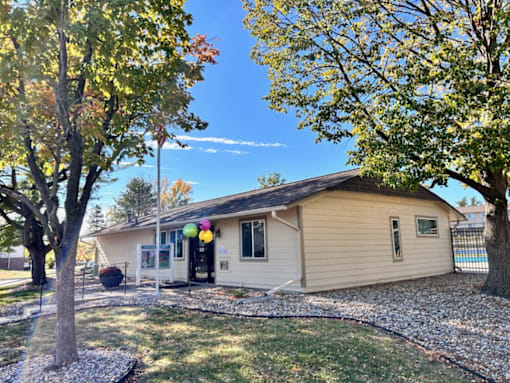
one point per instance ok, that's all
(190, 230)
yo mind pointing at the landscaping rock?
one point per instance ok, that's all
(98, 366)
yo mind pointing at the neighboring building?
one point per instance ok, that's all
(15, 260)
(334, 231)
(475, 216)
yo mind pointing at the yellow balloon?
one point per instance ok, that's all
(206, 236)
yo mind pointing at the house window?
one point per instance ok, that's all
(395, 239)
(253, 239)
(162, 237)
(176, 239)
(426, 227)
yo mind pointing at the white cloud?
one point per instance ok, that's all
(237, 152)
(192, 182)
(214, 151)
(171, 145)
(174, 146)
(130, 163)
(209, 150)
(229, 141)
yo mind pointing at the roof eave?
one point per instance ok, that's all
(183, 222)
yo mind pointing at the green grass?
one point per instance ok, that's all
(9, 295)
(193, 347)
(14, 274)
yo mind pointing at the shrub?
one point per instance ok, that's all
(239, 293)
(50, 259)
(111, 271)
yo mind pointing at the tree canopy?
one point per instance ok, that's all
(176, 194)
(272, 179)
(421, 85)
(81, 85)
(137, 200)
(97, 220)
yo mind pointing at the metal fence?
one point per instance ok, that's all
(469, 252)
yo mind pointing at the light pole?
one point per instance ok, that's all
(161, 141)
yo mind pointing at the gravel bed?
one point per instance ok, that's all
(14, 309)
(98, 366)
(446, 314)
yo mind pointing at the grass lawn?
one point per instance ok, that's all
(9, 295)
(14, 274)
(192, 347)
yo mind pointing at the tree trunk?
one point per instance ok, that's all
(38, 257)
(34, 242)
(497, 239)
(66, 351)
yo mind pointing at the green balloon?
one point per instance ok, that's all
(190, 230)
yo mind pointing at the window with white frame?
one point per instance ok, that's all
(395, 239)
(253, 239)
(426, 227)
(176, 239)
(162, 237)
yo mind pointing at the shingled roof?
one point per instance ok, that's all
(273, 198)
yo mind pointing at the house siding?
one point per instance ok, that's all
(282, 260)
(121, 247)
(347, 240)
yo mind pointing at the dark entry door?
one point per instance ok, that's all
(201, 260)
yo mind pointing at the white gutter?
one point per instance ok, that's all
(298, 263)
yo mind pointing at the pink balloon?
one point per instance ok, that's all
(205, 225)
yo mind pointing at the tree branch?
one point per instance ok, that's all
(37, 213)
(10, 221)
(483, 190)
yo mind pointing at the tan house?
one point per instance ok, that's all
(328, 232)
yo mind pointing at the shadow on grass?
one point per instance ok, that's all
(189, 347)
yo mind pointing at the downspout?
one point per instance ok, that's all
(298, 263)
(455, 226)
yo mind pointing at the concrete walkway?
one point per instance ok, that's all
(33, 310)
(14, 282)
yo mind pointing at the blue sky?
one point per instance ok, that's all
(245, 138)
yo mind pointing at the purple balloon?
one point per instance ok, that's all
(205, 225)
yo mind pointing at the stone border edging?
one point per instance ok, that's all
(121, 380)
(262, 316)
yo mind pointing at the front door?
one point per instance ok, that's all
(201, 260)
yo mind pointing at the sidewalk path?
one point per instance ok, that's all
(14, 282)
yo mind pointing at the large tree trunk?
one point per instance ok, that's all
(34, 242)
(66, 351)
(497, 238)
(38, 257)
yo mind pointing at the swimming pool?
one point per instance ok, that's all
(470, 259)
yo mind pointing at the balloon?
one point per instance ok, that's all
(206, 236)
(190, 230)
(205, 225)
